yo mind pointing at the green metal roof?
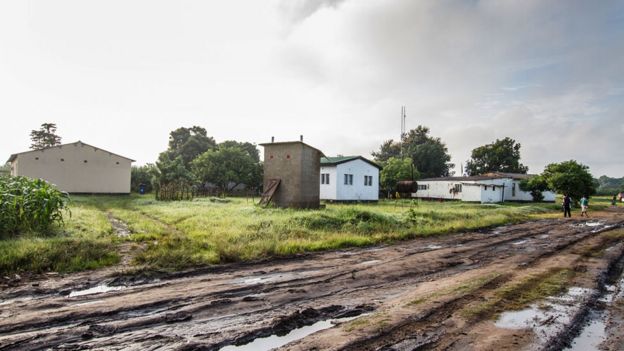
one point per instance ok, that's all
(332, 161)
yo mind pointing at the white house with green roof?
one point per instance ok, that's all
(349, 178)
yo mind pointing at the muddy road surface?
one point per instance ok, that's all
(443, 293)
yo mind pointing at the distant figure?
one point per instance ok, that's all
(567, 202)
(614, 201)
(142, 189)
(584, 205)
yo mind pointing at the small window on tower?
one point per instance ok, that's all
(62, 160)
(117, 162)
(85, 161)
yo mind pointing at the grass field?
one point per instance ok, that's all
(176, 235)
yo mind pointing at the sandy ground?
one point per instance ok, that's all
(408, 296)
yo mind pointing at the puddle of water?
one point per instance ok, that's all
(593, 224)
(95, 290)
(433, 247)
(544, 236)
(549, 318)
(272, 277)
(366, 263)
(521, 242)
(274, 341)
(592, 335)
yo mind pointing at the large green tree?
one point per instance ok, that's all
(171, 171)
(428, 154)
(188, 143)
(500, 156)
(569, 177)
(250, 148)
(44, 137)
(394, 170)
(388, 149)
(227, 167)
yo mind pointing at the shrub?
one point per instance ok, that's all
(29, 205)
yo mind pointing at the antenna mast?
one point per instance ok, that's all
(403, 125)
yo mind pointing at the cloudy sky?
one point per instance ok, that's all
(121, 74)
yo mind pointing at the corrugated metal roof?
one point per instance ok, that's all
(487, 176)
(332, 161)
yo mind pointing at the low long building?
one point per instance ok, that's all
(487, 188)
(75, 168)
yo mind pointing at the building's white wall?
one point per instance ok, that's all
(102, 173)
(491, 194)
(549, 196)
(358, 191)
(328, 191)
(471, 193)
(439, 189)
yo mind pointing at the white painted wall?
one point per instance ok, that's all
(440, 189)
(338, 191)
(328, 191)
(102, 173)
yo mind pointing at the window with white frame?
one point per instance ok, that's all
(513, 189)
(457, 188)
(348, 179)
(368, 180)
(423, 186)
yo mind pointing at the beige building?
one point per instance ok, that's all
(76, 168)
(296, 166)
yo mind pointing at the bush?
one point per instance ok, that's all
(29, 205)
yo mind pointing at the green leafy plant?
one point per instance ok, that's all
(30, 205)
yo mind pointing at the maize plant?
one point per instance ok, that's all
(30, 205)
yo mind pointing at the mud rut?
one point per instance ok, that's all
(233, 304)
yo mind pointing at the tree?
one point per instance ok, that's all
(569, 177)
(394, 170)
(142, 175)
(226, 167)
(428, 154)
(536, 186)
(44, 137)
(170, 171)
(250, 148)
(388, 149)
(188, 143)
(499, 156)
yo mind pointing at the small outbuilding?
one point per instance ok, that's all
(76, 168)
(291, 174)
(486, 188)
(349, 178)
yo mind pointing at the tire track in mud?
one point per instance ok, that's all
(136, 316)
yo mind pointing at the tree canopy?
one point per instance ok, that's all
(188, 143)
(500, 156)
(227, 167)
(394, 170)
(44, 137)
(428, 154)
(569, 177)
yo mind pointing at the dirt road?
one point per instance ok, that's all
(420, 294)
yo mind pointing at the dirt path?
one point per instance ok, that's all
(412, 295)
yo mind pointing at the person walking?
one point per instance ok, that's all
(567, 202)
(614, 201)
(584, 205)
